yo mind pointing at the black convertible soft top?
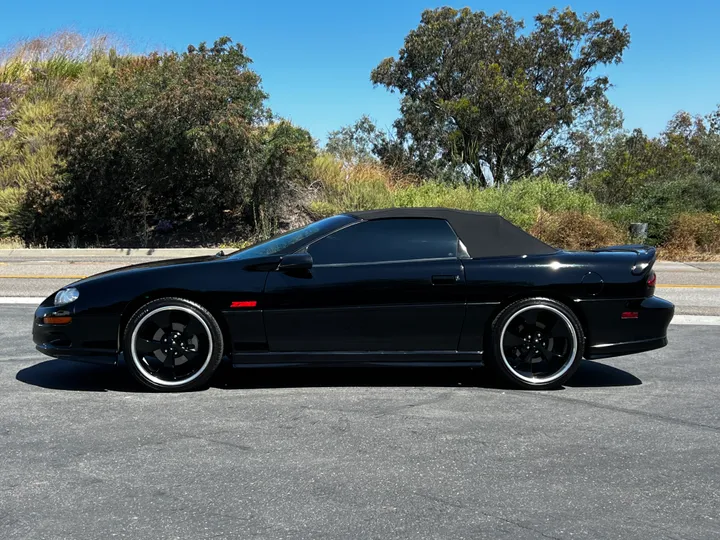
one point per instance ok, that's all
(484, 234)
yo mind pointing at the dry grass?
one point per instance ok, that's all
(694, 237)
(334, 175)
(576, 231)
(64, 47)
(664, 254)
(11, 243)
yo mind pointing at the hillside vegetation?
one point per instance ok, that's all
(100, 147)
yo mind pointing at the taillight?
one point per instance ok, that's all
(651, 282)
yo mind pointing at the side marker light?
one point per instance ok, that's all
(243, 304)
(57, 320)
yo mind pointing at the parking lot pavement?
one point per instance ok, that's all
(629, 449)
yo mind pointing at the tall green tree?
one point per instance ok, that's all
(357, 143)
(628, 162)
(578, 151)
(477, 89)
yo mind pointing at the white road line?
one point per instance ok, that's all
(706, 320)
(34, 300)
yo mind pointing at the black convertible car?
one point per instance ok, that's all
(415, 286)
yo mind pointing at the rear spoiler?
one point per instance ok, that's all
(646, 255)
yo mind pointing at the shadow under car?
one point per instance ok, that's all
(82, 377)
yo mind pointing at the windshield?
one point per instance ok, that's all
(279, 244)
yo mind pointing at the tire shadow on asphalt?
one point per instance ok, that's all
(593, 374)
(82, 377)
(79, 377)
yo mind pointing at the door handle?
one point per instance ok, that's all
(445, 280)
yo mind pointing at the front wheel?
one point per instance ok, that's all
(172, 344)
(537, 343)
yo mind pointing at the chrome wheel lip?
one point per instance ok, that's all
(568, 363)
(149, 376)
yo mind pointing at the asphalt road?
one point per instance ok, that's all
(629, 449)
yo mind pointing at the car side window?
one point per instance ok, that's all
(387, 240)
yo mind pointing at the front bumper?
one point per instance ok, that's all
(90, 356)
(79, 340)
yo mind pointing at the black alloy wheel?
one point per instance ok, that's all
(537, 343)
(173, 344)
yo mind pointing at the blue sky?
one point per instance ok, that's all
(315, 57)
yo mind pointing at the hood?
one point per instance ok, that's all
(142, 267)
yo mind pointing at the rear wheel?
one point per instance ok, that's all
(172, 344)
(537, 343)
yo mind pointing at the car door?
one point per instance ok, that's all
(382, 285)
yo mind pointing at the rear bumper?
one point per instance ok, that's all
(628, 336)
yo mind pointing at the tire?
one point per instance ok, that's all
(173, 345)
(536, 343)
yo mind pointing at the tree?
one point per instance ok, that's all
(678, 169)
(356, 143)
(627, 163)
(695, 142)
(577, 152)
(477, 90)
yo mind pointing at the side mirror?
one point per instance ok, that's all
(296, 261)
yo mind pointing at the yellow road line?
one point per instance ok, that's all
(40, 277)
(670, 286)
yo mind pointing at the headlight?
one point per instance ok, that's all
(66, 296)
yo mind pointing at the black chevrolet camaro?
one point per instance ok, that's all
(413, 286)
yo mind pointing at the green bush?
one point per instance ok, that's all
(34, 77)
(15, 219)
(172, 145)
(658, 204)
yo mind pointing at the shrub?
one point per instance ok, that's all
(345, 188)
(658, 204)
(694, 233)
(520, 202)
(34, 77)
(15, 219)
(362, 187)
(576, 231)
(173, 145)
